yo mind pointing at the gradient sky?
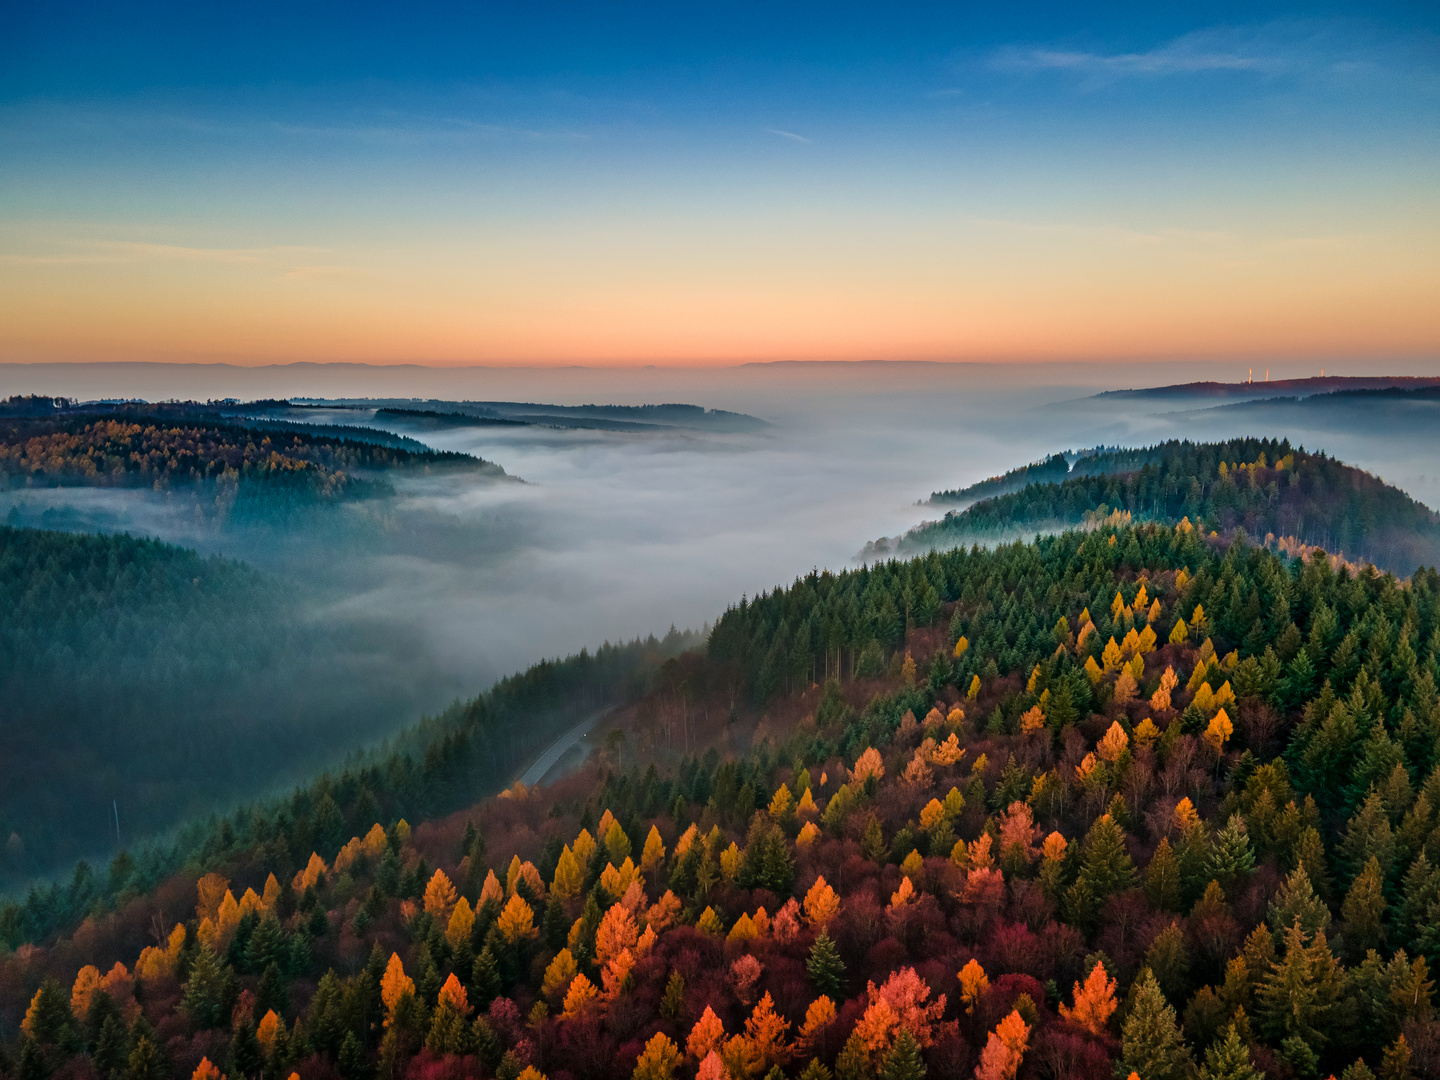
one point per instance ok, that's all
(463, 183)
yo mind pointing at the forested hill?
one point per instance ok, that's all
(133, 449)
(1263, 486)
(142, 681)
(1125, 802)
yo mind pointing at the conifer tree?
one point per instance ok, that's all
(1162, 878)
(1228, 1058)
(1295, 901)
(1368, 835)
(1298, 997)
(1364, 911)
(1106, 868)
(1150, 1040)
(825, 968)
(485, 983)
(1231, 854)
(903, 1061)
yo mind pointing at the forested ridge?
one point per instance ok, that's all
(1263, 486)
(128, 450)
(1130, 801)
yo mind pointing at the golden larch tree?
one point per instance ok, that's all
(1094, 1001)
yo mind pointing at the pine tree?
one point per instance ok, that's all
(1150, 1040)
(903, 1061)
(146, 1062)
(1296, 901)
(246, 1056)
(825, 967)
(1297, 999)
(1107, 867)
(672, 1004)
(112, 1047)
(351, 1059)
(206, 991)
(1162, 878)
(1309, 852)
(1368, 834)
(1364, 911)
(485, 982)
(1231, 854)
(1229, 1059)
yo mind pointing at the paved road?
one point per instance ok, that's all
(546, 761)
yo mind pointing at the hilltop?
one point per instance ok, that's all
(1263, 486)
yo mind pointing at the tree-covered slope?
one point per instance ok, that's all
(1263, 486)
(1124, 801)
(141, 680)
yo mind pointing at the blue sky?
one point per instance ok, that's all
(607, 138)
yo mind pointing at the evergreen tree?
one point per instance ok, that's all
(672, 1004)
(1368, 835)
(1107, 867)
(903, 1061)
(1364, 911)
(33, 1065)
(825, 967)
(146, 1061)
(1150, 1040)
(1295, 901)
(1231, 854)
(351, 1060)
(1298, 997)
(1162, 878)
(1229, 1059)
(112, 1047)
(485, 982)
(246, 1056)
(208, 990)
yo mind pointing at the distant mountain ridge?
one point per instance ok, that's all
(1249, 391)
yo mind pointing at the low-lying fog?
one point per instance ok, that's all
(617, 535)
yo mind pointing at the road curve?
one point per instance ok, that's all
(556, 750)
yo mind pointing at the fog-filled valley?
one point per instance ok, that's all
(589, 527)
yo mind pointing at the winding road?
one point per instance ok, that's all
(556, 750)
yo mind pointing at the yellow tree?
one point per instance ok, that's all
(821, 903)
(268, 1030)
(517, 921)
(1219, 730)
(658, 1060)
(491, 890)
(783, 804)
(654, 852)
(439, 897)
(973, 983)
(569, 876)
(1094, 1002)
(617, 931)
(558, 975)
(1114, 743)
(462, 923)
(579, 997)
(206, 1071)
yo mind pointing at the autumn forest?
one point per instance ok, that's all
(1153, 794)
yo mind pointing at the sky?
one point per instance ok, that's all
(687, 184)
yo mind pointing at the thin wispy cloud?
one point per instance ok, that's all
(787, 134)
(1325, 48)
